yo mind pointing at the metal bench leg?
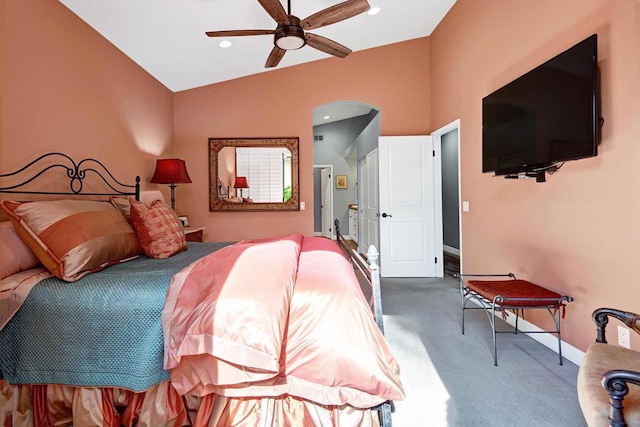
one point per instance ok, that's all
(463, 309)
(464, 303)
(556, 319)
(493, 331)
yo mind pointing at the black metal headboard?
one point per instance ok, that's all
(76, 172)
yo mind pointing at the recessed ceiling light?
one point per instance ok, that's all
(225, 44)
(326, 117)
(373, 11)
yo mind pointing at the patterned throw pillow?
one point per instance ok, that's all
(158, 228)
(73, 238)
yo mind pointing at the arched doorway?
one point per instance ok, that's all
(344, 133)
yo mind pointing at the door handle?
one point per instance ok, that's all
(384, 215)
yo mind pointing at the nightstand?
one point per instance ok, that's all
(194, 234)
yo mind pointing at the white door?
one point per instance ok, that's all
(325, 204)
(368, 205)
(408, 238)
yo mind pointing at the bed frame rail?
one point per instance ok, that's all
(370, 271)
(76, 172)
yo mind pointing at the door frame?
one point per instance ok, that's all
(331, 226)
(437, 144)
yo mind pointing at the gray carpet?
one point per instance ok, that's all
(450, 379)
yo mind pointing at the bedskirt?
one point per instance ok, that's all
(161, 406)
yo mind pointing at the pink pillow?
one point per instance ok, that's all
(123, 205)
(73, 238)
(15, 255)
(158, 228)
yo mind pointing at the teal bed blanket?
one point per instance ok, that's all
(102, 331)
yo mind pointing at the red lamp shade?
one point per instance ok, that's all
(170, 171)
(241, 182)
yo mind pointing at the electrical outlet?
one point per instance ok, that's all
(624, 339)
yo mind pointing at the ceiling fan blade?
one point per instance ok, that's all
(232, 33)
(274, 57)
(275, 9)
(327, 46)
(333, 14)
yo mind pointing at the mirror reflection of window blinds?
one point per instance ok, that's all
(263, 168)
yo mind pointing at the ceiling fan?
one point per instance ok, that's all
(290, 32)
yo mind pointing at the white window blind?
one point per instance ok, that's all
(263, 168)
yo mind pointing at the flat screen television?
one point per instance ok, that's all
(545, 117)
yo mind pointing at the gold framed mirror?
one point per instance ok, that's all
(253, 174)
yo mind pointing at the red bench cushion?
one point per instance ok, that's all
(513, 290)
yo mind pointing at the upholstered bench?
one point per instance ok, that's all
(510, 293)
(609, 376)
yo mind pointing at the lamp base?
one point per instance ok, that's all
(173, 196)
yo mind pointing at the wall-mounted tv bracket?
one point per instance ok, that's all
(539, 174)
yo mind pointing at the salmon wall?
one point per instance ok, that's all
(279, 103)
(63, 87)
(580, 231)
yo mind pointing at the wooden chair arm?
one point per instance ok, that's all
(616, 384)
(601, 317)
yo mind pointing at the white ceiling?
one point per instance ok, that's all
(167, 37)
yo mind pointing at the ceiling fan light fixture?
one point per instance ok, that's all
(290, 31)
(290, 37)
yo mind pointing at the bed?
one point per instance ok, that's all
(160, 332)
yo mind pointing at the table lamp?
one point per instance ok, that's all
(172, 172)
(240, 183)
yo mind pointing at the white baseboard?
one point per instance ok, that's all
(550, 341)
(451, 250)
(569, 352)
